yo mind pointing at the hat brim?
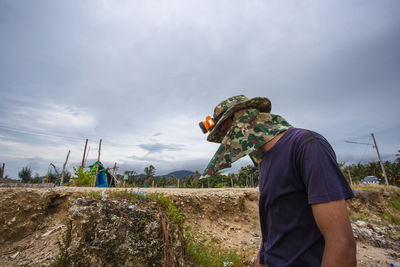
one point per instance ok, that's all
(261, 103)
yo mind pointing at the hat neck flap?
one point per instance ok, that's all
(250, 130)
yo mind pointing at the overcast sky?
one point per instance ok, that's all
(142, 74)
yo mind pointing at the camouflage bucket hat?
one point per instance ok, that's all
(228, 107)
(250, 130)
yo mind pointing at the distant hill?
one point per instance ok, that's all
(178, 174)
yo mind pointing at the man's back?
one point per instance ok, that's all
(298, 171)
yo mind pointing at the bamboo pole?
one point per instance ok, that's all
(87, 154)
(84, 152)
(98, 157)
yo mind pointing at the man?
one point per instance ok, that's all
(303, 214)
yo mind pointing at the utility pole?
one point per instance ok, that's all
(98, 158)
(84, 152)
(380, 161)
(65, 164)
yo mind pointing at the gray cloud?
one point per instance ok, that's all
(146, 159)
(158, 147)
(129, 71)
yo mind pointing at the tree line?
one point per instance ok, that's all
(359, 171)
(246, 177)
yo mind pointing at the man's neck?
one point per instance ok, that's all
(267, 146)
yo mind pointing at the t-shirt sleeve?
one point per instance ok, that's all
(320, 172)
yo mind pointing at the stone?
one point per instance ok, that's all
(13, 256)
(361, 223)
(118, 233)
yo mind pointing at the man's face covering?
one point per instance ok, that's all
(250, 130)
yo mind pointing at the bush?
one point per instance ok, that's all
(84, 178)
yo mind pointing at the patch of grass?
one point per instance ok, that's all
(353, 218)
(211, 253)
(125, 194)
(93, 194)
(394, 202)
(169, 208)
(391, 218)
(363, 216)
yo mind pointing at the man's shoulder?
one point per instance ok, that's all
(303, 135)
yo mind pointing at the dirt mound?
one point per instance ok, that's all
(23, 211)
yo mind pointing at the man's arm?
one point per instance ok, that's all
(333, 221)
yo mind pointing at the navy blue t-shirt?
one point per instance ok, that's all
(298, 171)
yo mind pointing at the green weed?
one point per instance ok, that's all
(394, 202)
(353, 218)
(363, 216)
(93, 194)
(391, 218)
(211, 253)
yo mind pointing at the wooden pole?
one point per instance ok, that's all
(98, 157)
(380, 161)
(84, 152)
(63, 170)
(115, 169)
(95, 178)
(87, 154)
(114, 174)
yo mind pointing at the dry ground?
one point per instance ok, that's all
(31, 222)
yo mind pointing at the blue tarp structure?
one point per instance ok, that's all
(101, 180)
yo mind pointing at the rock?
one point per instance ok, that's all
(361, 223)
(74, 212)
(119, 233)
(47, 233)
(13, 256)
(79, 201)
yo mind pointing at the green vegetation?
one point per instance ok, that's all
(25, 174)
(211, 254)
(391, 218)
(394, 202)
(359, 171)
(84, 178)
(247, 177)
(93, 194)
(353, 218)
